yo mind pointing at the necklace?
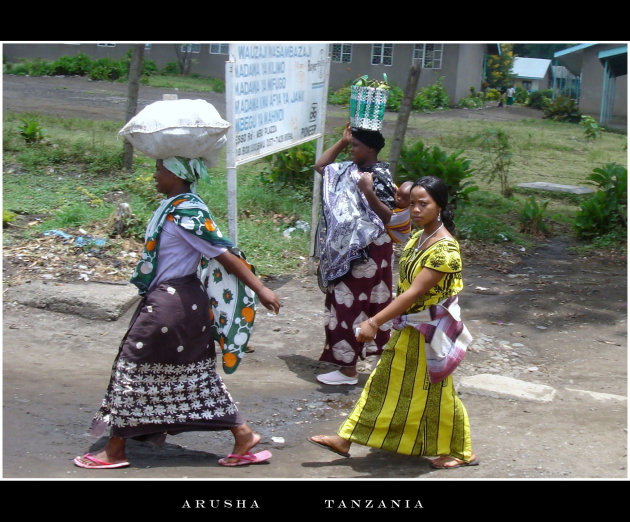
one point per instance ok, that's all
(419, 246)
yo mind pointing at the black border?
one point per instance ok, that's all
(329, 498)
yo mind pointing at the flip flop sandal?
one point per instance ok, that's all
(329, 448)
(461, 463)
(98, 463)
(248, 458)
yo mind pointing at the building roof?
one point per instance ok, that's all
(530, 68)
(617, 58)
(572, 50)
(571, 58)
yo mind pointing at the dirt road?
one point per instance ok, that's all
(552, 318)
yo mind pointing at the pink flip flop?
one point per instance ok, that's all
(98, 463)
(248, 458)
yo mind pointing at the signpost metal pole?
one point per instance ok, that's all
(230, 160)
(317, 179)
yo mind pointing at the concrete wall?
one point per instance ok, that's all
(592, 82)
(343, 73)
(469, 69)
(462, 68)
(534, 84)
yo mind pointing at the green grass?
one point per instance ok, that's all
(489, 217)
(72, 177)
(69, 181)
(186, 83)
(543, 150)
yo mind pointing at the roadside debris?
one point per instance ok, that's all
(69, 256)
(299, 225)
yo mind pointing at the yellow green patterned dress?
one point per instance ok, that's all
(399, 409)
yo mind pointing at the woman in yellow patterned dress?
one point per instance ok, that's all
(409, 404)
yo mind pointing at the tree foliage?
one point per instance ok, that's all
(539, 50)
(499, 67)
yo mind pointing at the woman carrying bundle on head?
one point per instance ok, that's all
(164, 379)
(355, 250)
(409, 404)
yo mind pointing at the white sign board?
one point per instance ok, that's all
(275, 96)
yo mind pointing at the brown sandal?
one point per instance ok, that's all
(459, 462)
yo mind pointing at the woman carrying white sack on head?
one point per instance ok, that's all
(164, 379)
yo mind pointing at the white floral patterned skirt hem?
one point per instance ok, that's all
(164, 378)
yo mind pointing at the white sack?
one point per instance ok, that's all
(188, 128)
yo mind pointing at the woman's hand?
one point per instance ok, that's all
(366, 185)
(367, 332)
(426, 279)
(366, 182)
(329, 155)
(269, 299)
(238, 267)
(346, 137)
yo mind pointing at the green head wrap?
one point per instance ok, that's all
(188, 169)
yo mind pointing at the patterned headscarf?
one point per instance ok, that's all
(188, 169)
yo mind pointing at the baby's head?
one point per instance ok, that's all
(403, 194)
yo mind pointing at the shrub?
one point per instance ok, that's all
(540, 99)
(291, 167)
(591, 127)
(493, 94)
(108, 69)
(496, 144)
(532, 217)
(473, 101)
(340, 96)
(562, 109)
(605, 211)
(7, 217)
(418, 161)
(81, 65)
(31, 130)
(40, 67)
(520, 95)
(432, 97)
(19, 69)
(394, 98)
(149, 68)
(170, 69)
(78, 65)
